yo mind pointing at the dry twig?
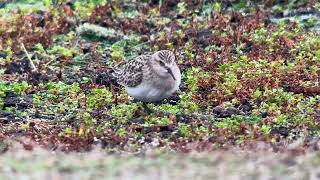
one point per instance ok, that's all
(33, 67)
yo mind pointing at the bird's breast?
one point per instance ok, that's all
(152, 91)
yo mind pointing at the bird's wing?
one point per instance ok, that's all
(130, 73)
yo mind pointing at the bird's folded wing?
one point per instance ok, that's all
(129, 73)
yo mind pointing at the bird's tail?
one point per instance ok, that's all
(106, 78)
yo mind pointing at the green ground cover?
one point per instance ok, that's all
(250, 73)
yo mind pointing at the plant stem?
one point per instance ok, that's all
(33, 67)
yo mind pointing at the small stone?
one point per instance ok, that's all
(28, 146)
(20, 67)
(184, 119)
(258, 102)
(183, 87)
(86, 48)
(148, 139)
(165, 134)
(164, 128)
(218, 110)
(4, 121)
(32, 124)
(283, 131)
(20, 102)
(155, 142)
(3, 54)
(230, 111)
(137, 120)
(245, 107)
(264, 114)
(40, 19)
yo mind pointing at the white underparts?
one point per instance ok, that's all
(147, 93)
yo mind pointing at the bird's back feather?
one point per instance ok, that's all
(130, 73)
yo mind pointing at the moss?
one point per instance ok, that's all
(184, 130)
(98, 98)
(266, 75)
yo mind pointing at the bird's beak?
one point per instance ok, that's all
(170, 72)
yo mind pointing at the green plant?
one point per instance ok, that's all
(20, 87)
(184, 129)
(217, 6)
(168, 108)
(265, 129)
(117, 52)
(98, 98)
(68, 131)
(63, 51)
(158, 120)
(232, 123)
(181, 7)
(25, 126)
(4, 88)
(121, 132)
(8, 56)
(123, 112)
(281, 120)
(88, 120)
(186, 104)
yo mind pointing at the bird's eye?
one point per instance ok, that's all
(161, 63)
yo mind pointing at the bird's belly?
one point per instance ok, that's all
(148, 93)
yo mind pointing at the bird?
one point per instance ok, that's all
(149, 77)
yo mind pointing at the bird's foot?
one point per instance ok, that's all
(146, 109)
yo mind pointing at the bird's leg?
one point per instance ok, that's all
(161, 102)
(146, 109)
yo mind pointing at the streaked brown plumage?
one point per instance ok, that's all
(151, 77)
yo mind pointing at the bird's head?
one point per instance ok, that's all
(163, 63)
